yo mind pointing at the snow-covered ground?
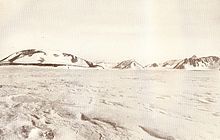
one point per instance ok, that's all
(63, 104)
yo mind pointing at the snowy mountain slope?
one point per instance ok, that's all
(168, 64)
(129, 64)
(210, 62)
(106, 65)
(45, 58)
(154, 65)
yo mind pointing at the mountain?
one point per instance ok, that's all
(129, 64)
(192, 63)
(210, 62)
(154, 65)
(46, 58)
(170, 64)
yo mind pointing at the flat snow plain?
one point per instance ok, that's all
(63, 104)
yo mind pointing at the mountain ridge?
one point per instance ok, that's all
(192, 63)
(34, 57)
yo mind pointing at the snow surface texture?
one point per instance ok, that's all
(60, 104)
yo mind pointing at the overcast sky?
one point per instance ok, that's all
(112, 30)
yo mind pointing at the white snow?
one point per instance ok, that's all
(46, 103)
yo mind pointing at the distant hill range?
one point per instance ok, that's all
(192, 63)
(33, 57)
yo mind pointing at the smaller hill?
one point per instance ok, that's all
(129, 64)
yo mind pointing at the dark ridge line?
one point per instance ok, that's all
(49, 65)
(176, 66)
(18, 55)
(6, 57)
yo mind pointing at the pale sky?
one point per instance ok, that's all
(112, 30)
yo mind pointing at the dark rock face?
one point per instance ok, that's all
(25, 53)
(41, 60)
(92, 65)
(24, 131)
(74, 58)
(49, 134)
(154, 65)
(165, 64)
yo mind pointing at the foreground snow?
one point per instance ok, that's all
(62, 104)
